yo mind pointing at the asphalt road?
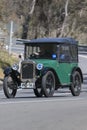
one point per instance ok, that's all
(61, 112)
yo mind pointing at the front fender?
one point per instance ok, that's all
(14, 74)
(7, 71)
(44, 71)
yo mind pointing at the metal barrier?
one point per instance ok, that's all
(82, 49)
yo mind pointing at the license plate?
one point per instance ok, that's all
(30, 85)
(27, 85)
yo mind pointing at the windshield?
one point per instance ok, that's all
(42, 51)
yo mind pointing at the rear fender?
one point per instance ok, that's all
(79, 70)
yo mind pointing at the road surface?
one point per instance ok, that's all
(61, 112)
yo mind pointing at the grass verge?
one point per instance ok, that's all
(6, 60)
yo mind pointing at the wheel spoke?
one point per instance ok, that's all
(9, 87)
(38, 89)
(76, 86)
(49, 84)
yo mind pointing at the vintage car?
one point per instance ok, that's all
(49, 63)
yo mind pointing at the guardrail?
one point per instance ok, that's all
(82, 49)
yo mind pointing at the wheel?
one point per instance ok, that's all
(76, 84)
(48, 84)
(38, 89)
(9, 87)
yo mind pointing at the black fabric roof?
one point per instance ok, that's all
(48, 40)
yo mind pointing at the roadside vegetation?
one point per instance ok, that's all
(6, 60)
(45, 18)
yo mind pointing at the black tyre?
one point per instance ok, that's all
(9, 87)
(48, 84)
(76, 84)
(38, 89)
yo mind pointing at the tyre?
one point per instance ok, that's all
(38, 89)
(76, 84)
(9, 87)
(48, 84)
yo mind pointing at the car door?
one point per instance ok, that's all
(64, 64)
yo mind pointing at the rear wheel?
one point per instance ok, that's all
(48, 84)
(9, 87)
(76, 84)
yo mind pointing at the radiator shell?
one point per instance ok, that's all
(28, 70)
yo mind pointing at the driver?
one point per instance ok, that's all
(46, 51)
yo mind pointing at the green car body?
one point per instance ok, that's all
(62, 70)
(49, 63)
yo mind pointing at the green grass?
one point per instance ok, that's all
(6, 60)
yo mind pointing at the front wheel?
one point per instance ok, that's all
(9, 87)
(38, 89)
(48, 84)
(76, 84)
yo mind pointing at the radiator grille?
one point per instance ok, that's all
(27, 70)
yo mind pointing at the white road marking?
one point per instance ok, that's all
(42, 101)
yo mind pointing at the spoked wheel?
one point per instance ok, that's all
(38, 89)
(76, 84)
(9, 87)
(48, 84)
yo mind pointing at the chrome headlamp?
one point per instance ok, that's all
(39, 66)
(15, 67)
